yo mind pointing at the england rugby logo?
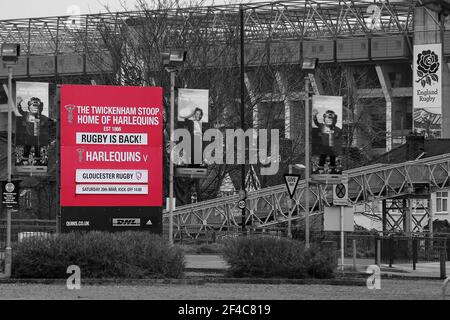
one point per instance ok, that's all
(427, 67)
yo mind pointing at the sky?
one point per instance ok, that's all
(15, 9)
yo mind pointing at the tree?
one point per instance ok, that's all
(136, 43)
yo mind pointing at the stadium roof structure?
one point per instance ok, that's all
(304, 19)
(416, 147)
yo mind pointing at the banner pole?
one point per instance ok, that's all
(8, 252)
(307, 160)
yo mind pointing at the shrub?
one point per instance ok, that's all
(99, 255)
(270, 257)
(319, 263)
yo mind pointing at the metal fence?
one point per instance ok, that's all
(26, 228)
(394, 249)
(400, 249)
(21, 229)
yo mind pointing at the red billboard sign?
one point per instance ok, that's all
(111, 146)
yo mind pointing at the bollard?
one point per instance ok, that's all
(379, 252)
(444, 288)
(354, 255)
(443, 257)
(414, 253)
(391, 252)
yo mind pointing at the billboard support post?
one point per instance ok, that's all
(58, 159)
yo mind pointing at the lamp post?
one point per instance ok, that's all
(172, 61)
(309, 65)
(10, 55)
(242, 9)
(242, 75)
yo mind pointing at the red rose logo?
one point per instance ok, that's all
(427, 66)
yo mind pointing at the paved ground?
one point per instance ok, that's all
(423, 269)
(205, 261)
(390, 289)
(428, 269)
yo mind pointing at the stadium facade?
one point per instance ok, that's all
(364, 50)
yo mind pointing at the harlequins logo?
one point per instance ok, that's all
(427, 66)
(80, 154)
(69, 108)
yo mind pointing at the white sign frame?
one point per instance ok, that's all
(332, 218)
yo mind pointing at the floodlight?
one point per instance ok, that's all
(10, 52)
(173, 57)
(310, 64)
(177, 56)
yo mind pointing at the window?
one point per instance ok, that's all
(3, 97)
(26, 196)
(441, 201)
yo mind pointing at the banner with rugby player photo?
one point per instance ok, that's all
(193, 104)
(427, 90)
(326, 134)
(193, 107)
(32, 127)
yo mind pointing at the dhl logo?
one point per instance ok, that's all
(126, 222)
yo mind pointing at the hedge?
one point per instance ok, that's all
(268, 257)
(99, 255)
